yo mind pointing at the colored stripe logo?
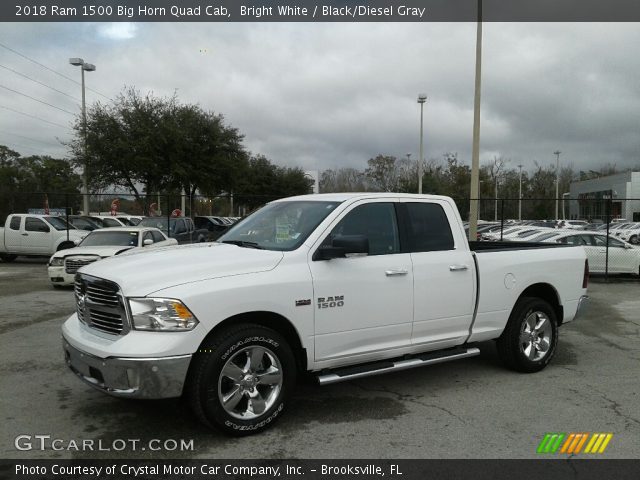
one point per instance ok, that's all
(573, 443)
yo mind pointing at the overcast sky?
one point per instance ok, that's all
(329, 95)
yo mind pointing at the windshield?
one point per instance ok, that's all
(280, 226)
(108, 239)
(158, 222)
(59, 223)
(546, 236)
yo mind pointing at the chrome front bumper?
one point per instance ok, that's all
(149, 378)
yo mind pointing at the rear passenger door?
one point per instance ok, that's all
(443, 273)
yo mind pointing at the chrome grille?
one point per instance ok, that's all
(106, 321)
(106, 296)
(100, 305)
(71, 265)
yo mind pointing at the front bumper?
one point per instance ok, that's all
(58, 276)
(149, 378)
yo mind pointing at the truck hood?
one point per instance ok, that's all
(141, 272)
(104, 251)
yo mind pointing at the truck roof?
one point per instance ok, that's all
(341, 197)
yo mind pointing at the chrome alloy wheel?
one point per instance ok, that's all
(535, 336)
(250, 382)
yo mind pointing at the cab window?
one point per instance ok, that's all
(429, 228)
(35, 225)
(15, 223)
(377, 222)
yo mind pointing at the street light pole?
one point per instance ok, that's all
(79, 62)
(520, 195)
(557, 154)
(496, 209)
(422, 98)
(475, 151)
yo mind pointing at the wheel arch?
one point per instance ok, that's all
(65, 244)
(271, 320)
(549, 294)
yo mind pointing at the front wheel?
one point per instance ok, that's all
(529, 340)
(240, 379)
(634, 239)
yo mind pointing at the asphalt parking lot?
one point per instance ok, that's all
(472, 408)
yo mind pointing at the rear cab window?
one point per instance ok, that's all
(429, 228)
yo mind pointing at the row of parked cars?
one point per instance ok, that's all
(86, 239)
(147, 233)
(613, 254)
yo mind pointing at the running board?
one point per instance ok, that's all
(378, 368)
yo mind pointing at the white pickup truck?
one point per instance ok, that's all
(36, 235)
(340, 286)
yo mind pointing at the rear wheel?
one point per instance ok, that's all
(529, 340)
(241, 378)
(634, 239)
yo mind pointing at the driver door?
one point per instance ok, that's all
(363, 304)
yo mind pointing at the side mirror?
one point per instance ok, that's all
(343, 246)
(146, 242)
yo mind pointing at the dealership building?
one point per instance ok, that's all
(589, 197)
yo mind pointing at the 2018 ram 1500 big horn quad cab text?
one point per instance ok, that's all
(337, 285)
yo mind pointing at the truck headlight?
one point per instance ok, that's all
(161, 314)
(56, 262)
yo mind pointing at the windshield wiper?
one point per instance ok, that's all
(243, 243)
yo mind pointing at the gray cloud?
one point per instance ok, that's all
(328, 95)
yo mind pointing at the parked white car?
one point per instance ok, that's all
(623, 257)
(573, 224)
(36, 235)
(100, 244)
(631, 234)
(107, 221)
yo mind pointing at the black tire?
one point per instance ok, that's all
(633, 239)
(228, 349)
(521, 350)
(65, 245)
(7, 258)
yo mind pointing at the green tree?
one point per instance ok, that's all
(159, 144)
(382, 173)
(25, 180)
(263, 182)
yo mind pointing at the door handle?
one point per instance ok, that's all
(24, 234)
(395, 272)
(458, 268)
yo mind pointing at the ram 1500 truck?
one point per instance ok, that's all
(339, 286)
(36, 235)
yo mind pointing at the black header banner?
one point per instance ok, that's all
(591, 469)
(319, 11)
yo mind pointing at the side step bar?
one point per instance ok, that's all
(378, 368)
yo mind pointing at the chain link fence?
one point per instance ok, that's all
(608, 228)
